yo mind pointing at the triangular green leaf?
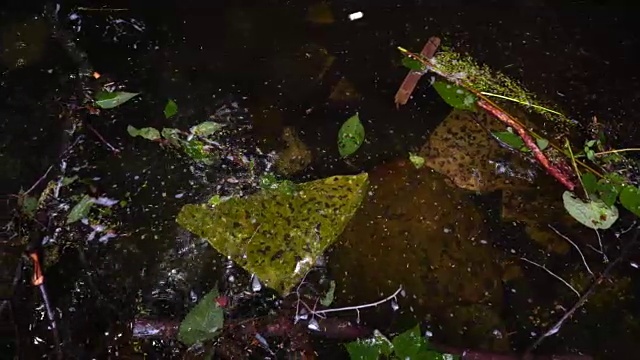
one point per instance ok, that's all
(411, 345)
(369, 349)
(275, 234)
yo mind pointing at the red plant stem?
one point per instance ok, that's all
(411, 80)
(530, 143)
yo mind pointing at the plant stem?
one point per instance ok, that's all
(358, 307)
(521, 102)
(616, 151)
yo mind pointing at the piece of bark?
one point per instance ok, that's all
(412, 78)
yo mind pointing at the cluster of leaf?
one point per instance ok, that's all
(409, 345)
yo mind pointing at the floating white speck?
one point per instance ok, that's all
(634, 264)
(313, 325)
(255, 284)
(356, 15)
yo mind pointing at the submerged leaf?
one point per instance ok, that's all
(594, 214)
(328, 298)
(109, 100)
(206, 128)
(350, 136)
(456, 96)
(510, 139)
(148, 133)
(278, 235)
(630, 199)
(416, 160)
(80, 210)
(203, 322)
(170, 109)
(590, 183)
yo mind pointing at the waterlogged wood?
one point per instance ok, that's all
(412, 78)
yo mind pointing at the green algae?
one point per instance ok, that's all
(279, 235)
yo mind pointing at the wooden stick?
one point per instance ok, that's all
(411, 80)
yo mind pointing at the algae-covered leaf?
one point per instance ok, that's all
(203, 322)
(148, 133)
(416, 160)
(456, 96)
(350, 136)
(170, 109)
(630, 199)
(278, 235)
(109, 100)
(594, 214)
(370, 348)
(80, 210)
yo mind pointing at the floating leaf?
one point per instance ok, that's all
(608, 192)
(172, 135)
(328, 298)
(80, 210)
(630, 199)
(411, 345)
(590, 183)
(276, 235)
(109, 100)
(203, 322)
(196, 150)
(170, 109)
(206, 128)
(371, 348)
(542, 143)
(456, 96)
(510, 139)
(416, 160)
(594, 214)
(412, 64)
(148, 133)
(28, 205)
(350, 136)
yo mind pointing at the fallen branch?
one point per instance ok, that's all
(583, 299)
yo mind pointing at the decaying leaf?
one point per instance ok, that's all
(279, 235)
(594, 214)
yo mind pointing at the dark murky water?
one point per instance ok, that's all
(450, 248)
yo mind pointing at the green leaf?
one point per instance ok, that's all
(170, 109)
(28, 205)
(371, 348)
(80, 210)
(416, 160)
(456, 96)
(206, 128)
(608, 192)
(590, 183)
(214, 200)
(148, 133)
(594, 214)
(287, 227)
(68, 180)
(203, 322)
(172, 135)
(630, 199)
(411, 345)
(412, 64)
(542, 143)
(590, 143)
(328, 298)
(196, 150)
(509, 138)
(109, 100)
(350, 136)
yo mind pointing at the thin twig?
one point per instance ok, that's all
(604, 256)
(111, 147)
(615, 151)
(583, 299)
(584, 261)
(552, 274)
(358, 307)
(39, 180)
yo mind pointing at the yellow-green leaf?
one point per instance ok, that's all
(350, 136)
(109, 100)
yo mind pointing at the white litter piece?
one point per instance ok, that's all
(356, 15)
